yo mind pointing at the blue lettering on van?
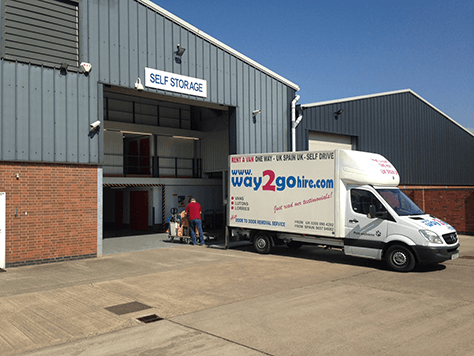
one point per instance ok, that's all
(241, 178)
(437, 222)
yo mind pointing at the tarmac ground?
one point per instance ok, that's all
(212, 301)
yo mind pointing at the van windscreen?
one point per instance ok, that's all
(400, 202)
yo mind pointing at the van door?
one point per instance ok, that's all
(364, 234)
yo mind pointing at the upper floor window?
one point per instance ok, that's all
(41, 32)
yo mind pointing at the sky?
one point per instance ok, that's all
(344, 48)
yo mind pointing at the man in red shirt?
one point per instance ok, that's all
(193, 210)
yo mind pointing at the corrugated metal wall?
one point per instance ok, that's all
(425, 146)
(125, 37)
(46, 117)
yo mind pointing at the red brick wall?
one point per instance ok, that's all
(56, 212)
(455, 205)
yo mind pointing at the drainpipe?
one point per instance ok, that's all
(294, 122)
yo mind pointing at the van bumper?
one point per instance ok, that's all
(427, 255)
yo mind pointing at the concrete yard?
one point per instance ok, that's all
(236, 302)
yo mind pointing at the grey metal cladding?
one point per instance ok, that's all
(426, 146)
(45, 116)
(123, 37)
(41, 32)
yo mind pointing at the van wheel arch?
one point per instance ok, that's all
(399, 257)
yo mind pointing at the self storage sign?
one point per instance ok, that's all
(182, 84)
(281, 190)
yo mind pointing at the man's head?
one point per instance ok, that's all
(193, 200)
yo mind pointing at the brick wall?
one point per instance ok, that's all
(51, 212)
(455, 205)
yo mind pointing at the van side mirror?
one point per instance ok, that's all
(371, 214)
(374, 214)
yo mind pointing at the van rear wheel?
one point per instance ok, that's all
(262, 243)
(399, 258)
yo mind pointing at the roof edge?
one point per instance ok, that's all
(337, 101)
(217, 43)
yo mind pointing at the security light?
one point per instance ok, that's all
(63, 69)
(337, 113)
(180, 51)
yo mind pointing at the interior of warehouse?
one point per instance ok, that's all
(158, 153)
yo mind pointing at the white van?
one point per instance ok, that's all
(338, 199)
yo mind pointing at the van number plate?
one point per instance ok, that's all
(456, 255)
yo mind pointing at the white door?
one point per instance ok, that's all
(318, 141)
(364, 235)
(2, 230)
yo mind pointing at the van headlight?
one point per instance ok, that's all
(431, 236)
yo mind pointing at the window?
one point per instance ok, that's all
(399, 202)
(41, 32)
(361, 201)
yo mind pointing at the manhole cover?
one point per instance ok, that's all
(149, 318)
(126, 308)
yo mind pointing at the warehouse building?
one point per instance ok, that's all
(115, 112)
(432, 153)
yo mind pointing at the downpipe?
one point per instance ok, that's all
(294, 122)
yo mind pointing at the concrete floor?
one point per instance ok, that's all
(236, 302)
(148, 241)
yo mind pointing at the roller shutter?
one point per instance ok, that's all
(324, 141)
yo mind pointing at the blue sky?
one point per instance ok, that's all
(343, 48)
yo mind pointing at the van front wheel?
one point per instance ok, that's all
(399, 258)
(262, 243)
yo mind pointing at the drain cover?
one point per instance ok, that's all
(149, 318)
(126, 308)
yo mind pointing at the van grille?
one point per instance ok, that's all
(451, 238)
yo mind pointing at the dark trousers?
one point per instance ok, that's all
(192, 225)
